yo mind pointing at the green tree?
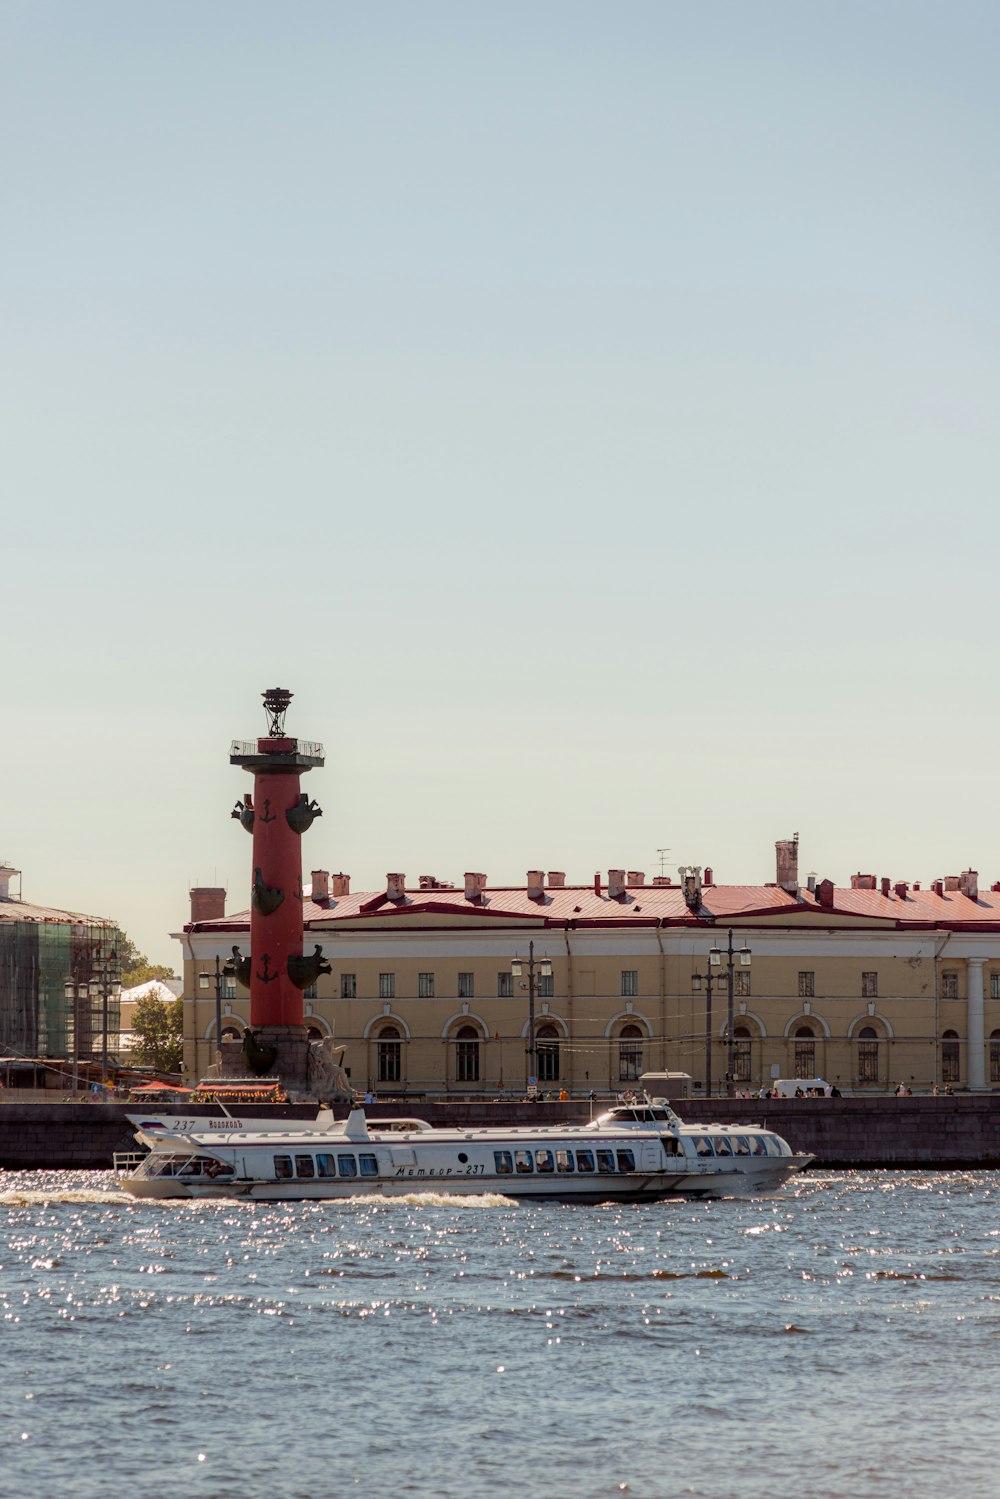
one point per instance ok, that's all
(136, 967)
(158, 1033)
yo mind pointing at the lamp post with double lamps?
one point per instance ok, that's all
(708, 979)
(545, 971)
(227, 970)
(717, 957)
(107, 983)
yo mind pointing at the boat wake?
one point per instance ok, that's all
(25, 1198)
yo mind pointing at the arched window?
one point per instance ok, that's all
(388, 1049)
(950, 1057)
(467, 1055)
(629, 1053)
(995, 1056)
(547, 1053)
(868, 1070)
(230, 1033)
(314, 1033)
(741, 1054)
(805, 1052)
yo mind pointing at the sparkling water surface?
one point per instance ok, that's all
(836, 1339)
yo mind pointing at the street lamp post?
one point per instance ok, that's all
(728, 955)
(229, 970)
(75, 988)
(545, 971)
(708, 978)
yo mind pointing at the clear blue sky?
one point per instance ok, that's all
(589, 411)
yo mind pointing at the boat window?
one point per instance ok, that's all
(543, 1160)
(523, 1159)
(741, 1145)
(605, 1161)
(169, 1166)
(585, 1160)
(626, 1160)
(703, 1145)
(671, 1145)
(282, 1166)
(305, 1165)
(368, 1164)
(756, 1145)
(564, 1160)
(723, 1144)
(773, 1145)
(326, 1165)
(190, 1168)
(504, 1162)
(348, 1165)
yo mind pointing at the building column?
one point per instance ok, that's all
(976, 1026)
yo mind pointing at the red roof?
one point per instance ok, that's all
(643, 905)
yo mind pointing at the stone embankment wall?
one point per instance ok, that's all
(844, 1132)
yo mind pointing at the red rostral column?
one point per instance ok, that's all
(278, 814)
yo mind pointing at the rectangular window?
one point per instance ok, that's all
(522, 1160)
(326, 1165)
(282, 1167)
(585, 1160)
(741, 983)
(564, 1160)
(388, 1055)
(505, 985)
(425, 986)
(605, 1162)
(741, 1059)
(805, 1059)
(304, 1166)
(807, 984)
(545, 986)
(503, 1162)
(348, 986)
(995, 986)
(950, 1062)
(228, 988)
(368, 1164)
(869, 986)
(626, 1160)
(629, 1061)
(949, 986)
(348, 1165)
(387, 986)
(466, 986)
(544, 1161)
(995, 1061)
(867, 1061)
(309, 992)
(630, 983)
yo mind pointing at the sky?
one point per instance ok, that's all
(588, 411)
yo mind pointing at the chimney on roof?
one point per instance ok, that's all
(662, 879)
(557, 879)
(320, 885)
(916, 884)
(475, 886)
(937, 886)
(885, 884)
(862, 882)
(952, 882)
(901, 887)
(691, 880)
(787, 860)
(395, 887)
(208, 903)
(636, 877)
(341, 886)
(708, 876)
(536, 884)
(616, 884)
(597, 882)
(969, 883)
(7, 873)
(824, 894)
(811, 882)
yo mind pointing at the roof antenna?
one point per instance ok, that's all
(663, 853)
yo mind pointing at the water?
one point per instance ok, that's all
(835, 1340)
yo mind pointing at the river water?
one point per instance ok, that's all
(836, 1339)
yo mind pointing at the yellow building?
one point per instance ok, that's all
(865, 986)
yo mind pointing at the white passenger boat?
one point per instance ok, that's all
(635, 1152)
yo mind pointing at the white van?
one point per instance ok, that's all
(787, 1087)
